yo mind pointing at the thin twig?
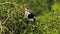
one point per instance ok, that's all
(0, 26)
(5, 3)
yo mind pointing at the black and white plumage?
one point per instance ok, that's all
(30, 16)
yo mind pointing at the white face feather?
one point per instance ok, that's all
(27, 12)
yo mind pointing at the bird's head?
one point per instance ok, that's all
(26, 6)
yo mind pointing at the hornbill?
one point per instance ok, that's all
(29, 15)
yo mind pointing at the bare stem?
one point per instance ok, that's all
(0, 26)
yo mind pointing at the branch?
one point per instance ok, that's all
(10, 14)
(7, 17)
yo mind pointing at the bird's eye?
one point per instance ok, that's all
(27, 8)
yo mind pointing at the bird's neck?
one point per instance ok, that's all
(26, 10)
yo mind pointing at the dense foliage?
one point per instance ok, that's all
(13, 20)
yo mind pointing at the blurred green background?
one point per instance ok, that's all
(13, 21)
